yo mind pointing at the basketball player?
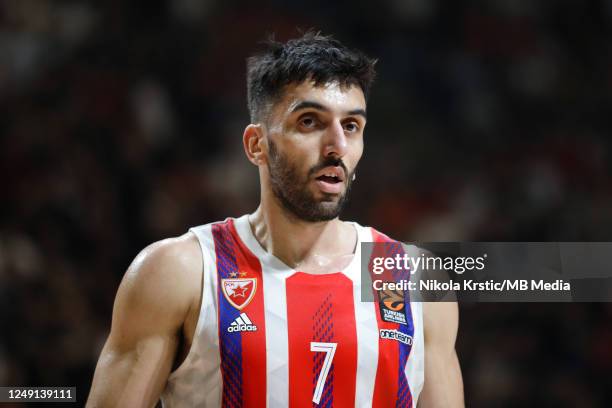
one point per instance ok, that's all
(264, 309)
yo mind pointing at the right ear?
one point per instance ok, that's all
(253, 142)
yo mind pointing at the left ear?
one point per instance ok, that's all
(253, 142)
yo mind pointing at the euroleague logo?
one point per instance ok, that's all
(393, 299)
(391, 304)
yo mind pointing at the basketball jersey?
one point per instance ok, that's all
(271, 336)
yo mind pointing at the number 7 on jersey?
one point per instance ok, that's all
(329, 349)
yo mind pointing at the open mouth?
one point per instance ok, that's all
(331, 179)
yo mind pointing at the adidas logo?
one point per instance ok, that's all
(242, 323)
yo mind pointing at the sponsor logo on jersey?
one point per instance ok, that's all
(242, 323)
(391, 304)
(396, 335)
(239, 291)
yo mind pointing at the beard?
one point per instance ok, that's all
(293, 193)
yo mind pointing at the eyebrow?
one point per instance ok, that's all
(318, 106)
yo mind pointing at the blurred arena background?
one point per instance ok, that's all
(121, 124)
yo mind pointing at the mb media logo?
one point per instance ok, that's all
(242, 323)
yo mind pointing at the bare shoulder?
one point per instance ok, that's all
(160, 287)
(172, 261)
(153, 301)
(169, 267)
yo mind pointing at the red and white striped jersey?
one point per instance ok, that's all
(271, 336)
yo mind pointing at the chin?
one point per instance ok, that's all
(329, 209)
(329, 197)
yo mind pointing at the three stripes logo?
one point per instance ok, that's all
(242, 323)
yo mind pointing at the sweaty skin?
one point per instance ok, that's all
(158, 302)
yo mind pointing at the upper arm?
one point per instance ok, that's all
(151, 305)
(443, 383)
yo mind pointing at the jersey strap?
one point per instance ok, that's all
(393, 314)
(242, 331)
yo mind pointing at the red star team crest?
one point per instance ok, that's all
(239, 292)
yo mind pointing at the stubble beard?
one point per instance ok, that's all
(293, 194)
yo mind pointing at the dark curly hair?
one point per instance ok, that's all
(313, 56)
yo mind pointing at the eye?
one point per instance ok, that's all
(308, 122)
(351, 127)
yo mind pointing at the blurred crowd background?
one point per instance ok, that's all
(121, 124)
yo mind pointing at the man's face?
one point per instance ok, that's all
(315, 140)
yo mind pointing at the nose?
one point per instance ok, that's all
(335, 143)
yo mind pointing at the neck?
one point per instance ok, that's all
(316, 247)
